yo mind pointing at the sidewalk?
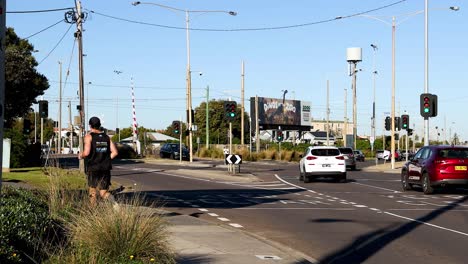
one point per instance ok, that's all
(385, 167)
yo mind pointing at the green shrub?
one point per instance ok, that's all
(24, 220)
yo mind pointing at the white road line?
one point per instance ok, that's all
(236, 225)
(297, 208)
(372, 186)
(360, 205)
(426, 209)
(203, 210)
(428, 224)
(223, 219)
(213, 214)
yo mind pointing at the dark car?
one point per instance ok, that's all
(348, 154)
(436, 167)
(359, 156)
(172, 150)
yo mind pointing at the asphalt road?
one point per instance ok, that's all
(368, 219)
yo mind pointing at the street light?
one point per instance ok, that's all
(393, 24)
(189, 76)
(374, 74)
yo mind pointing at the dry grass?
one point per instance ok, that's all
(103, 234)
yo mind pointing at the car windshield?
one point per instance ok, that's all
(325, 152)
(346, 150)
(453, 153)
(175, 146)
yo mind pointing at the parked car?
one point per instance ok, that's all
(383, 154)
(322, 161)
(359, 156)
(349, 157)
(436, 167)
(172, 150)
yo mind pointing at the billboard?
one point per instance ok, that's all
(281, 112)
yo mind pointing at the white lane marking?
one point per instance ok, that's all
(426, 209)
(372, 186)
(236, 225)
(360, 205)
(223, 219)
(374, 209)
(203, 210)
(296, 208)
(263, 257)
(213, 214)
(428, 224)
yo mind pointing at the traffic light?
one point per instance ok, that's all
(405, 122)
(230, 108)
(428, 105)
(26, 126)
(388, 123)
(397, 123)
(43, 109)
(279, 135)
(176, 127)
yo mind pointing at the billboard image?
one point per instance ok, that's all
(281, 112)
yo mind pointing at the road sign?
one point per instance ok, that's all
(233, 159)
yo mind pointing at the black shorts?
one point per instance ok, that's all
(99, 179)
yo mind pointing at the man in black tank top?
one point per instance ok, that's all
(98, 150)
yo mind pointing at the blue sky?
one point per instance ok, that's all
(300, 58)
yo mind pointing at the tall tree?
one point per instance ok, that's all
(23, 83)
(218, 125)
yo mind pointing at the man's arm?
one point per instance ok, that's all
(86, 148)
(113, 150)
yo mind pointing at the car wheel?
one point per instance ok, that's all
(343, 177)
(426, 185)
(306, 178)
(301, 175)
(404, 181)
(172, 156)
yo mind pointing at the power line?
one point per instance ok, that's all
(38, 11)
(61, 20)
(56, 45)
(252, 29)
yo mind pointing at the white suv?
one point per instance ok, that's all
(322, 162)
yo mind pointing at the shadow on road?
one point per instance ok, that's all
(369, 244)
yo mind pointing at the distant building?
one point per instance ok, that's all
(337, 127)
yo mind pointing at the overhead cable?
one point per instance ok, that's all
(56, 45)
(38, 11)
(61, 20)
(253, 29)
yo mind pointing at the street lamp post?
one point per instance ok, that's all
(393, 25)
(374, 73)
(188, 73)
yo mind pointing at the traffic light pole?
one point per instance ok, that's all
(180, 141)
(42, 131)
(231, 166)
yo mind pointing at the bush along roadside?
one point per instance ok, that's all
(24, 222)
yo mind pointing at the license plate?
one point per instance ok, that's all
(458, 168)
(326, 165)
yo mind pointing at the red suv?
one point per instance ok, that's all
(436, 166)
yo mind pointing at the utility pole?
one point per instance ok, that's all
(2, 79)
(79, 36)
(71, 126)
(328, 112)
(345, 125)
(60, 111)
(257, 128)
(242, 103)
(207, 117)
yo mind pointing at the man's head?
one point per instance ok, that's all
(94, 122)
